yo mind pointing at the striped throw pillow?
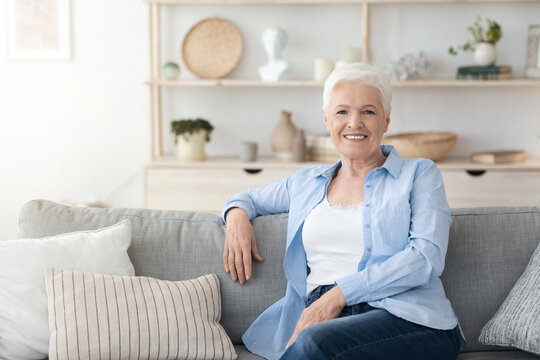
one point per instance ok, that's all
(98, 316)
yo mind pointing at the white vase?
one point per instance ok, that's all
(485, 54)
(191, 147)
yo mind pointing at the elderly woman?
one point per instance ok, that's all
(366, 242)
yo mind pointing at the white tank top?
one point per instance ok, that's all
(333, 239)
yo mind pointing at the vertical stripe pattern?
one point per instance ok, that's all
(99, 316)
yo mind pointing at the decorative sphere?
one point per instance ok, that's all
(170, 71)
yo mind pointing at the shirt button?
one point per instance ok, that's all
(368, 249)
(368, 186)
(367, 205)
(367, 225)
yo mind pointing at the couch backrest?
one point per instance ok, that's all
(489, 249)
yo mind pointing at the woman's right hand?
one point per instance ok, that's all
(240, 246)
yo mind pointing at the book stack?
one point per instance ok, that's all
(503, 72)
(498, 156)
(321, 149)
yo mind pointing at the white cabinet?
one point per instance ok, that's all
(205, 186)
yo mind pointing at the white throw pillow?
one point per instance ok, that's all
(97, 316)
(24, 326)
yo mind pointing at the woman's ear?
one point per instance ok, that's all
(387, 122)
(325, 121)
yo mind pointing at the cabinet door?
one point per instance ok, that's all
(492, 188)
(203, 190)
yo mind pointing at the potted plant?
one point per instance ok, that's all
(191, 137)
(484, 42)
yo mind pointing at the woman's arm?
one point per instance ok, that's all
(265, 200)
(240, 243)
(424, 254)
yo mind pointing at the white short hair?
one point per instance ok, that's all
(360, 74)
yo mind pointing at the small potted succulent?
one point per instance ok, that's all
(483, 45)
(191, 137)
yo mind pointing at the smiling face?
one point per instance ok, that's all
(356, 120)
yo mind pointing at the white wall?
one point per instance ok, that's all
(79, 130)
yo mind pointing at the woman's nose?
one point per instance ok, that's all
(355, 121)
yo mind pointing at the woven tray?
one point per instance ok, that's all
(212, 48)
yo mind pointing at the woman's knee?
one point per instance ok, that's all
(308, 344)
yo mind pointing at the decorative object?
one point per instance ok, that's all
(24, 323)
(517, 322)
(299, 146)
(349, 54)
(170, 71)
(191, 137)
(485, 54)
(282, 137)
(321, 149)
(498, 156)
(484, 72)
(38, 30)
(322, 69)
(170, 313)
(212, 48)
(429, 145)
(274, 39)
(249, 151)
(533, 52)
(409, 66)
(484, 42)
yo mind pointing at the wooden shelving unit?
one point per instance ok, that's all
(157, 83)
(203, 186)
(315, 2)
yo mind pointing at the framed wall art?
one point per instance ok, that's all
(38, 29)
(533, 52)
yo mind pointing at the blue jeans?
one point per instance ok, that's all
(367, 333)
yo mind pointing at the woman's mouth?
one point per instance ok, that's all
(355, 137)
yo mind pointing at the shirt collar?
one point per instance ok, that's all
(393, 164)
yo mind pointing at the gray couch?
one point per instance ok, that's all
(488, 251)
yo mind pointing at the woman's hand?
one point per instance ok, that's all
(240, 246)
(328, 306)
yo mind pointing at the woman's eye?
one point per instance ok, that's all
(342, 112)
(368, 112)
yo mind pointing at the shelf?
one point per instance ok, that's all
(267, 162)
(315, 2)
(426, 83)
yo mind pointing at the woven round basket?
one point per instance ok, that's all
(429, 145)
(212, 48)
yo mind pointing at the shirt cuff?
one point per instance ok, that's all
(350, 287)
(237, 204)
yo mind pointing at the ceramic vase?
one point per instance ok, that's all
(282, 137)
(299, 146)
(485, 54)
(191, 147)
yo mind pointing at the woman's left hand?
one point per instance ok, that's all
(327, 307)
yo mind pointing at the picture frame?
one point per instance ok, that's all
(38, 30)
(533, 52)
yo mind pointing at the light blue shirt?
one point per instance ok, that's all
(406, 221)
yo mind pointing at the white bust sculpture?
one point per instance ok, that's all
(274, 40)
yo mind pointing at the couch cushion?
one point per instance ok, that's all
(495, 355)
(178, 245)
(488, 251)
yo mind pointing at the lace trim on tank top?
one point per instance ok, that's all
(344, 207)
